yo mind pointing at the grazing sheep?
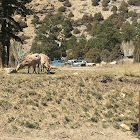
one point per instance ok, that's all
(30, 60)
(45, 62)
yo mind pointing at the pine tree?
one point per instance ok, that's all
(10, 27)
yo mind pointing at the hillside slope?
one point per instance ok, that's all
(78, 8)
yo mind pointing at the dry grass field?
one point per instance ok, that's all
(71, 104)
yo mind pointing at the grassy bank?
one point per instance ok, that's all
(69, 98)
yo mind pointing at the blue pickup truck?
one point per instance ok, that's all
(58, 63)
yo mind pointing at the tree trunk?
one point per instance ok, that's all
(3, 55)
(3, 41)
(1, 66)
(8, 53)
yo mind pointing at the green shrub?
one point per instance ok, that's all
(35, 20)
(23, 24)
(70, 14)
(67, 3)
(95, 2)
(133, 14)
(62, 9)
(105, 3)
(67, 32)
(77, 22)
(98, 16)
(93, 55)
(128, 31)
(105, 55)
(114, 9)
(84, 19)
(89, 27)
(32, 125)
(115, 53)
(123, 7)
(76, 31)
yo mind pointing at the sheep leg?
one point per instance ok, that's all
(28, 68)
(41, 68)
(34, 67)
(38, 68)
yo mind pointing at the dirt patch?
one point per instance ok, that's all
(84, 133)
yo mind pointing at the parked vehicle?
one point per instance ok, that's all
(58, 63)
(70, 62)
(88, 64)
(79, 63)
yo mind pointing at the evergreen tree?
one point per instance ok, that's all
(93, 55)
(115, 53)
(106, 36)
(128, 31)
(10, 27)
(48, 35)
(105, 55)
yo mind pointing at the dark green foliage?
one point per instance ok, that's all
(94, 26)
(67, 3)
(86, 19)
(10, 27)
(79, 50)
(47, 33)
(62, 9)
(35, 20)
(134, 2)
(67, 32)
(89, 27)
(106, 36)
(23, 24)
(134, 22)
(137, 52)
(32, 125)
(105, 3)
(117, 19)
(95, 2)
(105, 55)
(123, 7)
(98, 16)
(76, 31)
(93, 55)
(115, 53)
(67, 26)
(114, 9)
(128, 32)
(53, 28)
(133, 14)
(77, 22)
(67, 23)
(70, 14)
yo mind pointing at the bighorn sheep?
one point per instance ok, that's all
(45, 62)
(30, 60)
